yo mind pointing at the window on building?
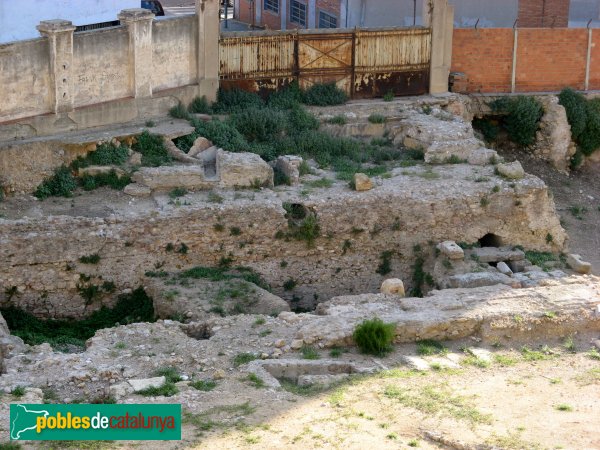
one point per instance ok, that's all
(327, 20)
(298, 12)
(271, 5)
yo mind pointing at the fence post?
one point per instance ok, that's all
(207, 14)
(139, 26)
(588, 60)
(60, 39)
(513, 81)
(439, 16)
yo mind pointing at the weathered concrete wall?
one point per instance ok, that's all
(41, 256)
(25, 79)
(65, 81)
(174, 65)
(101, 66)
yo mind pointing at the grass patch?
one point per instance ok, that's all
(374, 337)
(540, 258)
(170, 373)
(578, 211)
(90, 259)
(564, 407)
(438, 400)
(243, 358)
(18, 392)
(340, 119)
(178, 192)
(505, 360)
(168, 389)
(255, 380)
(428, 347)
(110, 179)
(106, 154)
(153, 150)
(309, 352)
(320, 183)
(376, 118)
(204, 385)
(534, 355)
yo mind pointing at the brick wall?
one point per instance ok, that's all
(543, 13)
(547, 59)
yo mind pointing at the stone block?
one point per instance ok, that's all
(482, 156)
(451, 250)
(503, 268)
(92, 171)
(479, 279)
(393, 286)
(512, 171)
(578, 265)
(145, 383)
(200, 144)
(243, 170)
(289, 165)
(165, 178)
(497, 254)
(137, 190)
(362, 182)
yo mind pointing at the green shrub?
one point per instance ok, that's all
(243, 358)
(61, 334)
(589, 140)
(90, 259)
(388, 96)
(222, 134)
(153, 150)
(287, 98)
(261, 125)
(308, 230)
(178, 192)
(232, 100)
(376, 118)
(523, 114)
(325, 95)
(488, 127)
(299, 120)
(61, 184)
(170, 373)
(106, 154)
(204, 385)
(309, 352)
(110, 179)
(340, 119)
(200, 106)
(184, 143)
(575, 107)
(179, 112)
(168, 389)
(19, 392)
(385, 266)
(374, 337)
(576, 159)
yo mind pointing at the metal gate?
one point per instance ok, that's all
(364, 63)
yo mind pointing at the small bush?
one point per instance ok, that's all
(61, 184)
(204, 385)
(308, 230)
(589, 140)
(576, 160)
(153, 150)
(222, 134)
(168, 389)
(309, 352)
(288, 98)
(243, 358)
(259, 125)
(325, 95)
(388, 96)
(523, 116)
(180, 192)
(488, 127)
(170, 373)
(575, 107)
(200, 106)
(290, 284)
(374, 337)
(110, 179)
(385, 266)
(18, 392)
(106, 154)
(233, 100)
(340, 119)
(299, 120)
(90, 259)
(179, 112)
(376, 118)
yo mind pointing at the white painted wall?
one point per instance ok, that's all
(18, 18)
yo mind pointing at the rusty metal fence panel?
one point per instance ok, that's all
(363, 62)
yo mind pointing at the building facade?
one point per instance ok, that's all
(294, 14)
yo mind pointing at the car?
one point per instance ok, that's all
(154, 6)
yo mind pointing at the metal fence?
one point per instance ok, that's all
(363, 62)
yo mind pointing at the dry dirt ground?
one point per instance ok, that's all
(577, 199)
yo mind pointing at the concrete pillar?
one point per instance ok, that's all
(439, 16)
(60, 37)
(283, 4)
(311, 12)
(139, 25)
(207, 14)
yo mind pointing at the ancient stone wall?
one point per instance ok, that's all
(40, 257)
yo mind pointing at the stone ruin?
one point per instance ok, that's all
(368, 238)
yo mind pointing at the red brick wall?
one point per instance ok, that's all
(547, 59)
(245, 11)
(485, 56)
(543, 13)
